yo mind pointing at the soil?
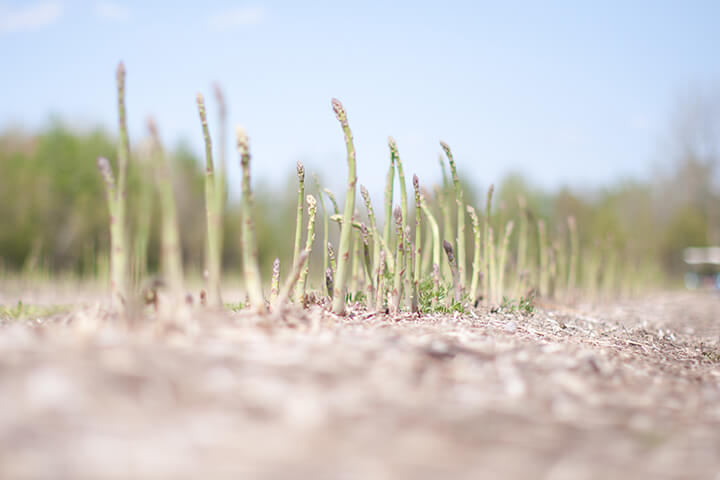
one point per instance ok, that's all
(623, 389)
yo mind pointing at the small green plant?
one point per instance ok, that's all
(438, 298)
(524, 306)
(22, 310)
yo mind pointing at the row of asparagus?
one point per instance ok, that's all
(392, 269)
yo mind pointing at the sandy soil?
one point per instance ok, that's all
(623, 390)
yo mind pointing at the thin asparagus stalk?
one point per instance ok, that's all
(331, 256)
(407, 278)
(171, 252)
(552, 270)
(380, 283)
(389, 185)
(373, 226)
(447, 246)
(144, 158)
(477, 261)
(326, 224)
(435, 231)
(401, 179)
(436, 283)
(116, 232)
(447, 235)
(346, 228)
(275, 282)
(212, 208)
(491, 267)
(486, 246)
(369, 288)
(460, 215)
(574, 254)
(312, 209)
(119, 281)
(249, 243)
(221, 177)
(299, 217)
(397, 291)
(425, 264)
(354, 265)
(365, 237)
(503, 259)
(522, 249)
(329, 281)
(561, 262)
(291, 280)
(330, 195)
(417, 253)
(542, 241)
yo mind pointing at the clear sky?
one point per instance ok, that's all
(570, 92)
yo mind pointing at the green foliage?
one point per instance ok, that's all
(440, 301)
(524, 306)
(24, 311)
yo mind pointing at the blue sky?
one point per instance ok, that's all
(575, 93)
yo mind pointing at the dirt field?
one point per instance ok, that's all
(626, 390)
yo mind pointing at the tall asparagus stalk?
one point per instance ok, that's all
(373, 227)
(477, 261)
(401, 179)
(346, 228)
(435, 231)
(221, 177)
(418, 244)
(389, 186)
(574, 254)
(400, 264)
(460, 216)
(503, 260)
(452, 261)
(171, 253)
(326, 226)
(213, 212)
(486, 245)
(522, 248)
(312, 208)
(443, 198)
(380, 283)
(299, 217)
(491, 267)
(117, 198)
(249, 243)
(544, 267)
(275, 281)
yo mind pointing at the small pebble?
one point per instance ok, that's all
(510, 327)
